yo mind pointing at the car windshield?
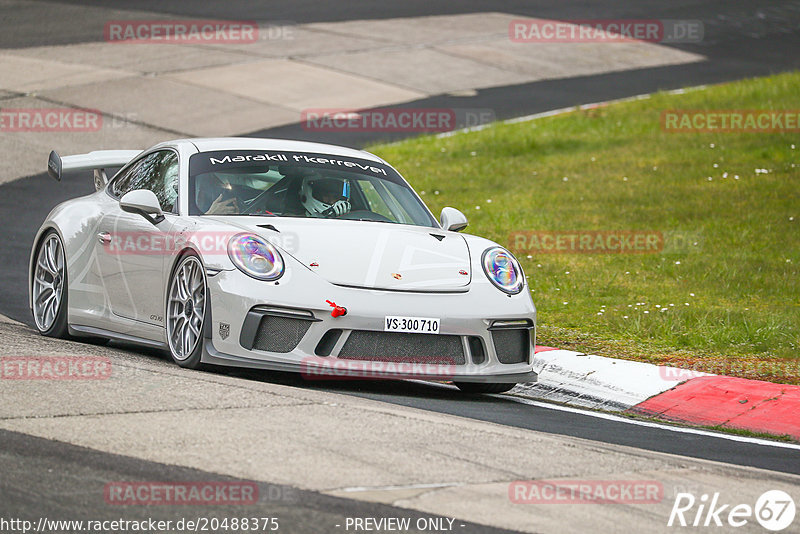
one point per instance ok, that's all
(301, 184)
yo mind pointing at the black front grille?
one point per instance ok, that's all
(512, 346)
(402, 347)
(280, 334)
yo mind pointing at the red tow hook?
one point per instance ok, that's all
(337, 311)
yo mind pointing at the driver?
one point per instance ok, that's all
(225, 201)
(325, 197)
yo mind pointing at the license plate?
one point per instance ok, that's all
(416, 325)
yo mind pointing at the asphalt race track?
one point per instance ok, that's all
(738, 43)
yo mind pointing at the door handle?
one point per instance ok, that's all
(104, 238)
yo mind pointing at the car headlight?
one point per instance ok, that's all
(255, 257)
(502, 270)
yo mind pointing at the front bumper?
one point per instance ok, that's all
(467, 316)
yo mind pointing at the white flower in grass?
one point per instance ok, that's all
(530, 257)
(624, 316)
(646, 311)
(691, 294)
(658, 305)
(716, 165)
(711, 145)
(677, 263)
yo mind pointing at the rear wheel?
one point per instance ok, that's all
(49, 287)
(186, 306)
(477, 388)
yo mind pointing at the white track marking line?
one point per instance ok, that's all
(400, 487)
(684, 430)
(649, 424)
(562, 111)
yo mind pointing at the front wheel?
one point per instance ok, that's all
(49, 289)
(477, 387)
(186, 307)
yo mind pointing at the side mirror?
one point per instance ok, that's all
(453, 220)
(144, 202)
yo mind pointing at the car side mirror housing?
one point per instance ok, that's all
(453, 220)
(144, 202)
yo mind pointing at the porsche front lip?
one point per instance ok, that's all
(213, 356)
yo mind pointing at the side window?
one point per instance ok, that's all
(157, 172)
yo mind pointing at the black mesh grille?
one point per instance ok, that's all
(280, 334)
(511, 346)
(400, 347)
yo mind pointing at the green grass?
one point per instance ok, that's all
(733, 292)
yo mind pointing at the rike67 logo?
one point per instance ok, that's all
(774, 510)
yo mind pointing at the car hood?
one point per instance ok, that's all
(369, 254)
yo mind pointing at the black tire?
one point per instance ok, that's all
(43, 273)
(477, 388)
(183, 303)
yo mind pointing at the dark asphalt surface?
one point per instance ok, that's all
(58, 481)
(743, 39)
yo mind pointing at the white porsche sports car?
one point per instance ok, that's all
(281, 255)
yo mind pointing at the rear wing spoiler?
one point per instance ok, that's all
(95, 161)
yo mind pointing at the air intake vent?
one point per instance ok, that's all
(476, 349)
(512, 345)
(399, 347)
(280, 334)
